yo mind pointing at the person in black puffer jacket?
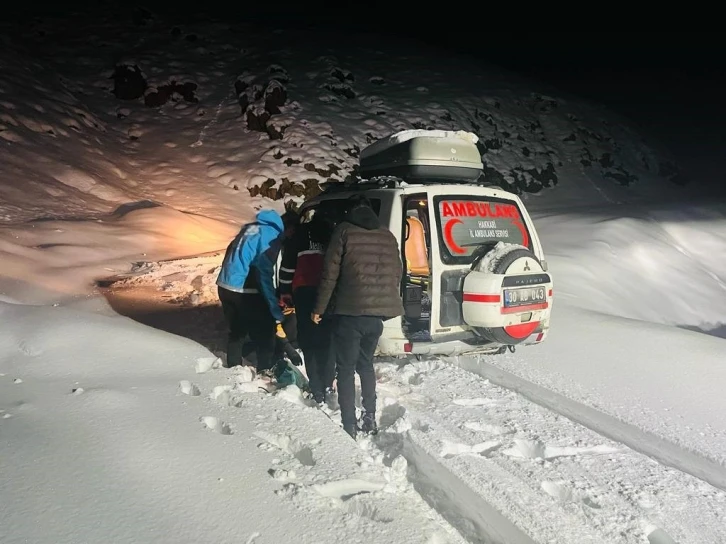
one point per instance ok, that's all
(362, 278)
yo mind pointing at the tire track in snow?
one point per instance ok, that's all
(655, 447)
(592, 490)
(467, 511)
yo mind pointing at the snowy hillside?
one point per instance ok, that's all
(250, 112)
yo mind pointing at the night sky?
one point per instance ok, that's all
(672, 85)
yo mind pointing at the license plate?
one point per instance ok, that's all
(524, 297)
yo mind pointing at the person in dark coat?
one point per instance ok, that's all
(300, 273)
(361, 287)
(246, 288)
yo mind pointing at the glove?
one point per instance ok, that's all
(292, 354)
(279, 331)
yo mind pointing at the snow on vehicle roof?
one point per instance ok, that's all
(405, 135)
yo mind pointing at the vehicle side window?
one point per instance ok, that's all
(335, 208)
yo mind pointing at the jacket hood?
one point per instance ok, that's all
(270, 218)
(320, 229)
(363, 217)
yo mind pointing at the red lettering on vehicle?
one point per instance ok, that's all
(449, 236)
(459, 209)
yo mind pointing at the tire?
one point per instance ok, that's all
(499, 335)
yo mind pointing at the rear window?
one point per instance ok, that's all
(465, 223)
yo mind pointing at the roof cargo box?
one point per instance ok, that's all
(424, 156)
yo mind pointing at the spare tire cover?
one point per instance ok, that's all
(502, 262)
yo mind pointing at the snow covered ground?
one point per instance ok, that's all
(611, 431)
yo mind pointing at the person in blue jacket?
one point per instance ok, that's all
(246, 287)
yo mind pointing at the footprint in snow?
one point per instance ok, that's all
(5, 415)
(534, 449)
(215, 424)
(452, 449)
(188, 388)
(347, 488)
(28, 349)
(286, 443)
(282, 475)
(480, 426)
(253, 537)
(205, 364)
(563, 493)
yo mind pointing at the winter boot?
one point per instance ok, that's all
(319, 397)
(351, 430)
(368, 423)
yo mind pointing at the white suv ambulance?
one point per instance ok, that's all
(475, 277)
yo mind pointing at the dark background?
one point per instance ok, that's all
(671, 84)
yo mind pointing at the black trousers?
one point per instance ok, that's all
(314, 341)
(355, 339)
(248, 313)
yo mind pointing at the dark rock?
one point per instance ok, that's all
(483, 116)
(342, 75)
(376, 80)
(244, 102)
(353, 152)
(570, 138)
(420, 125)
(279, 73)
(290, 161)
(172, 90)
(275, 96)
(545, 177)
(176, 32)
(250, 95)
(341, 89)
(586, 158)
(128, 82)
(191, 38)
(323, 172)
(240, 86)
(276, 131)
(622, 176)
(257, 119)
(606, 160)
(264, 189)
(307, 188)
(494, 177)
(493, 143)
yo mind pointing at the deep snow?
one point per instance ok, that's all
(117, 432)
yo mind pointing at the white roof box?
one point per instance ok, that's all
(424, 155)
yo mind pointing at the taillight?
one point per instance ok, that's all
(408, 347)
